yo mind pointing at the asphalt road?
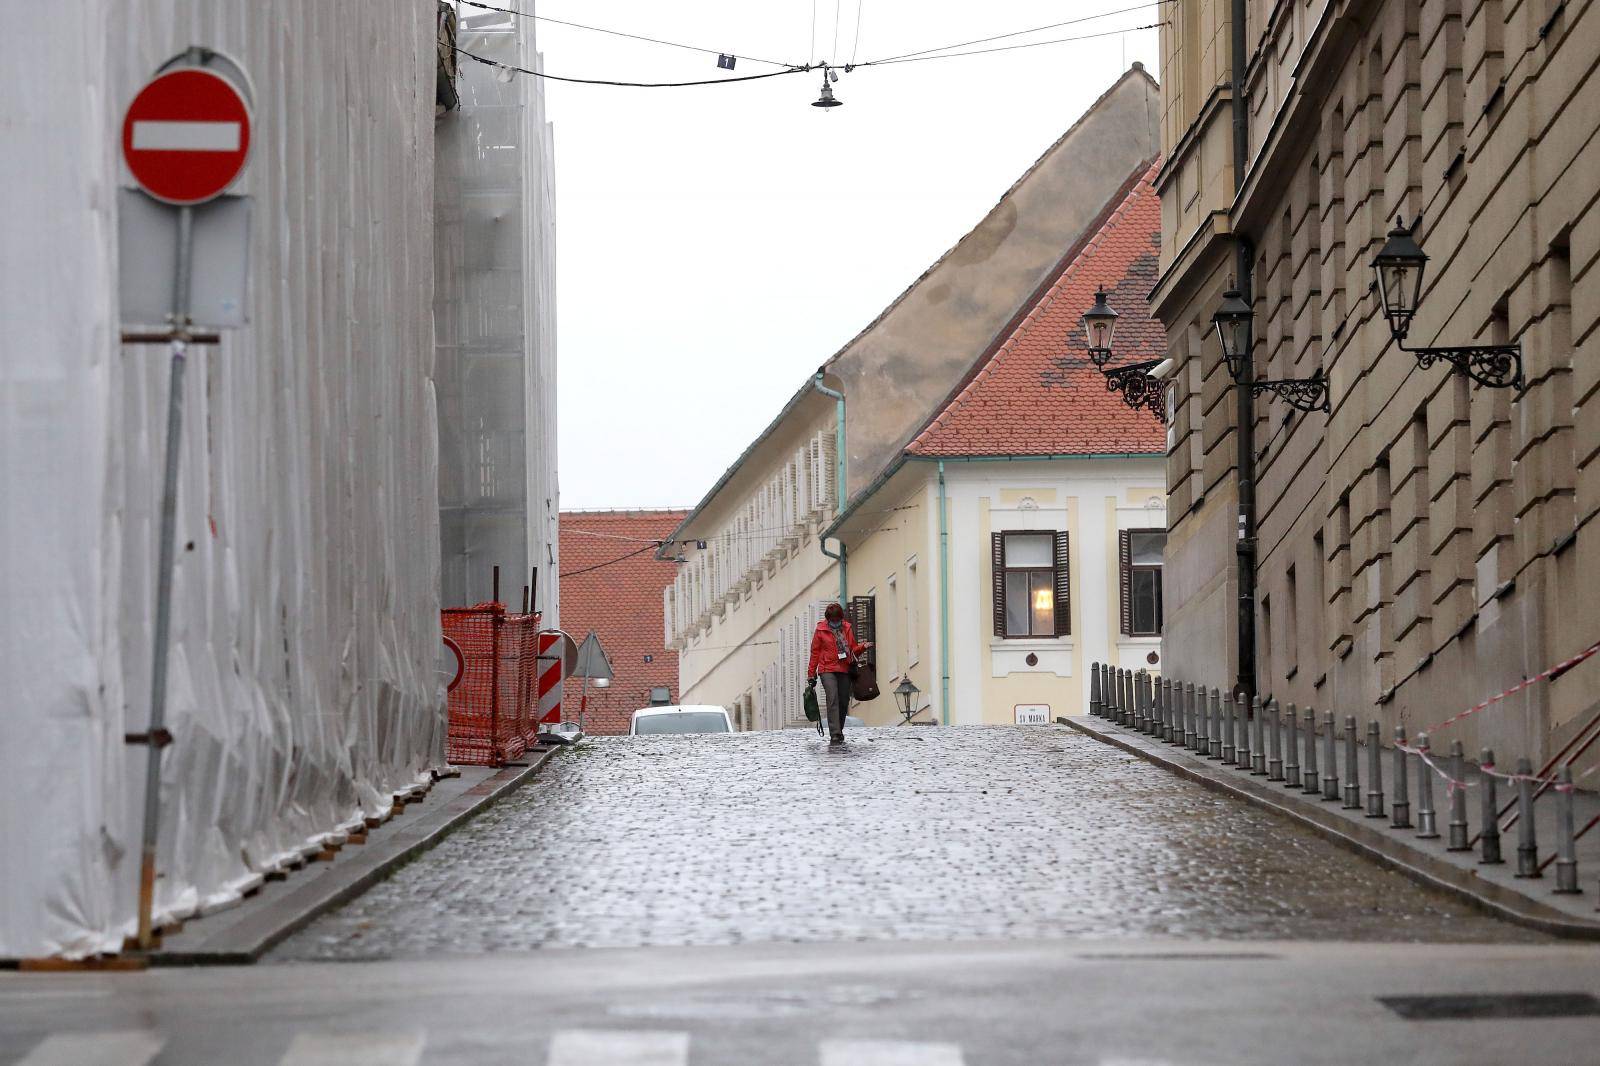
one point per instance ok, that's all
(992, 1003)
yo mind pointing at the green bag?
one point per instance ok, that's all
(813, 709)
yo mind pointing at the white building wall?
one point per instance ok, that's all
(305, 627)
(1090, 498)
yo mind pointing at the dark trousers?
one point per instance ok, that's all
(836, 687)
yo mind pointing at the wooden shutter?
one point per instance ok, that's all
(1063, 585)
(997, 549)
(864, 620)
(1125, 579)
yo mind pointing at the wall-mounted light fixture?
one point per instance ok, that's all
(1399, 267)
(1233, 321)
(1138, 387)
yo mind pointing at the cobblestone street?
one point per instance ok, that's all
(908, 834)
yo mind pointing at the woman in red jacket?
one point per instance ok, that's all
(834, 651)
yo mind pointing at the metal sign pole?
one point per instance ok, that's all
(158, 737)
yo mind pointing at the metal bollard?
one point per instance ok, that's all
(1527, 840)
(1134, 712)
(1229, 751)
(1158, 724)
(1258, 746)
(1241, 750)
(1330, 756)
(1191, 727)
(1166, 715)
(1489, 811)
(1130, 713)
(1210, 745)
(1374, 771)
(1308, 776)
(1352, 766)
(1174, 720)
(1400, 812)
(1119, 679)
(1291, 768)
(1275, 762)
(1094, 689)
(1566, 842)
(1427, 819)
(1458, 799)
(1215, 703)
(1141, 705)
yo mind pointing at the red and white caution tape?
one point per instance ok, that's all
(1558, 668)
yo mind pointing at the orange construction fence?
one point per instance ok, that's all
(494, 707)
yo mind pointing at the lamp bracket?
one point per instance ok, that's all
(1495, 366)
(1304, 394)
(1138, 388)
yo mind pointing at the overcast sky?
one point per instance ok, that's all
(717, 244)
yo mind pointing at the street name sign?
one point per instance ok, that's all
(186, 135)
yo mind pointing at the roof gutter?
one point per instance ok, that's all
(838, 484)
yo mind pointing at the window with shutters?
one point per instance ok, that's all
(864, 620)
(1032, 588)
(1139, 556)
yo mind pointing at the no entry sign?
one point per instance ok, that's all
(186, 135)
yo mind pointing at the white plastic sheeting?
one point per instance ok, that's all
(494, 320)
(303, 691)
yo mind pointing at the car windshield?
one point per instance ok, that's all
(682, 722)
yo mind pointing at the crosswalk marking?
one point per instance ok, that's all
(888, 1053)
(582, 1047)
(355, 1049)
(121, 1047)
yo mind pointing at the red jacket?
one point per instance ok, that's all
(825, 650)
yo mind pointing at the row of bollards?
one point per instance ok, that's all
(1251, 737)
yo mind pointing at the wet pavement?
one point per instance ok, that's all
(908, 834)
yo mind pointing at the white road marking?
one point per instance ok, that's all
(122, 1047)
(889, 1053)
(355, 1049)
(151, 135)
(582, 1047)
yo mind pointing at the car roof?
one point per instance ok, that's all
(679, 708)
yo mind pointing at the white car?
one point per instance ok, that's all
(676, 718)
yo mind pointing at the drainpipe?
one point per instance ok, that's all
(1244, 405)
(944, 604)
(838, 483)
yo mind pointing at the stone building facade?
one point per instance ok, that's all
(1428, 543)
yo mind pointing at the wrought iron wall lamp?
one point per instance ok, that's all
(1399, 267)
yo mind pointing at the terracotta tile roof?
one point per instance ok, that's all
(1038, 393)
(621, 603)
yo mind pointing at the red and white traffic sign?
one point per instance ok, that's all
(186, 135)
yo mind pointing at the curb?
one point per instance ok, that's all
(1385, 849)
(252, 935)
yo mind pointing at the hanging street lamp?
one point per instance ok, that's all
(1140, 387)
(826, 99)
(905, 694)
(1399, 266)
(1233, 322)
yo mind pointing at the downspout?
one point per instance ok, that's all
(838, 483)
(1244, 406)
(944, 604)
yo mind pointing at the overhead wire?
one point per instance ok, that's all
(856, 47)
(631, 84)
(621, 33)
(1011, 47)
(1019, 33)
(611, 562)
